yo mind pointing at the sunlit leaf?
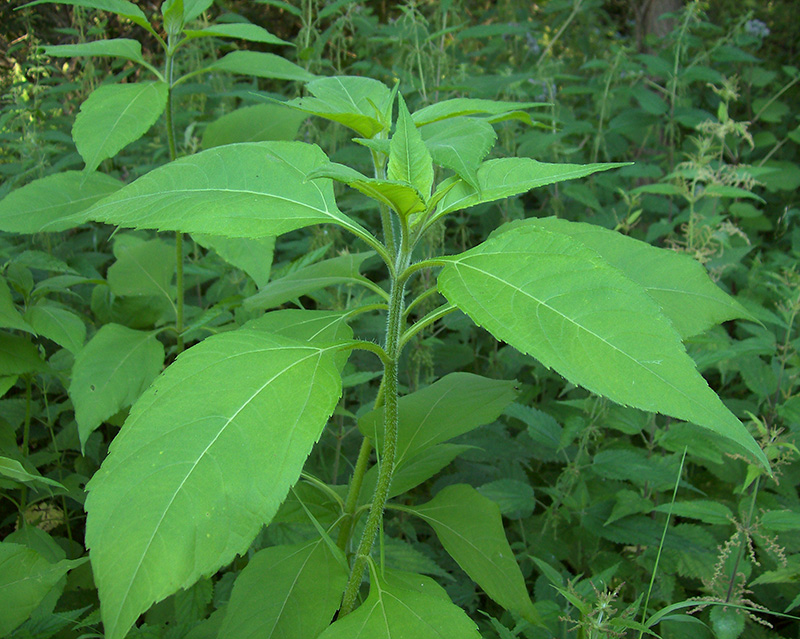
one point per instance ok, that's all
(549, 296)
(203, 461)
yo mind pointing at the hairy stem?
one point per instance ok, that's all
(392, 347)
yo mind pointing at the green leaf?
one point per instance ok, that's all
(549, 296)
(260, 65)
(193, 8)
(409, 159)
(357, 103)
(113, 116)
(680, 285)
(291, 592)
(504, 177)
(51, 203)
(255, 123)
(343, 269)
(253, 256)
(235, 416)
(240, 190)
(471, 530)
(110, 373)
(242, 31)
(728, 623)
(514, 498)
(59, 324)
(116, 47)
(460, 144)
(10, 317)
(780, 520)
(404, 607)
(304, 325)
(451, 406)
(709, 512)
(18, 356)
(401, 197)
(468, 106)
(120, 7)
(25, 579)
(146, 268)
(12, 469)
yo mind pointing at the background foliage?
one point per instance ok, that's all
(708, 112)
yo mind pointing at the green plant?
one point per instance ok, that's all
(225, 440)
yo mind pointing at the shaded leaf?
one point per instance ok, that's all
(404, 607)
(18, 356)
(451, 406)
(59, 324)
(120, 7)
(343, 269)
(12, 469)
(242, 31)
(115, 47)
(260, 65)
(10, 317)
(460, 145)
(252, 255)
(25, 579)
(110, 373)
(255, 123)
(145, 268)
(471, 531)
(236, 416)
(291, 592)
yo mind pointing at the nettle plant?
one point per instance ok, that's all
(214, 449)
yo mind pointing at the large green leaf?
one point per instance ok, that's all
(471, 530)
(202, 463)
(549, 296)
(260, 65)
(115, 47)
(469, 106)
(449, 407)
(504, 177)
(404, 606)
(343, 269)
(286, 592)
(25, 579)
(239, 190)
(358, 103)
(110, 373)
(680, 285)
(255, 123)
(113, 116)
(305, 325)
(242, 31)
(51, 203)
(460, 144)
(409, 159)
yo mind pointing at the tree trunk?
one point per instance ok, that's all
(648, 23)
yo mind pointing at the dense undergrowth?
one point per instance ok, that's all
(615, 516)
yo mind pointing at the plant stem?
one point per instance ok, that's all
(173, 155)
(352, 494)
(390, 368)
